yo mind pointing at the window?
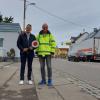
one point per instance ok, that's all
(1, 42)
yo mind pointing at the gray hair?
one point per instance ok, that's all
(45, 25)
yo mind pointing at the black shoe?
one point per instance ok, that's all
(42, 82)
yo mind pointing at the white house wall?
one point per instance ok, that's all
(10, 41)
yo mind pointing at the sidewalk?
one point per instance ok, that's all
(9, 87)
(4, 64)
(64, 88)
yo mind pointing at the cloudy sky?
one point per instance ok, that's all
(69, 18)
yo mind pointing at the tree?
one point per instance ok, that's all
(1, 19)
(11, 53)
(68, 43)
(8, 19)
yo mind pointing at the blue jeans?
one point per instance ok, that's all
(47, 60)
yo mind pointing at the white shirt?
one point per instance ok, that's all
(28, 35)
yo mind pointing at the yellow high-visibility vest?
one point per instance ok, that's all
(47, 44)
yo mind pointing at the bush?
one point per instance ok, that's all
(11, 53)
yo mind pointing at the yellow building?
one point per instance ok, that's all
(61, 52)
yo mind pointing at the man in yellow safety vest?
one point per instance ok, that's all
(45, 50)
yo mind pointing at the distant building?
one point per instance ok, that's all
(79, 38)
(61, 52)
(9, 33)
(73, 39)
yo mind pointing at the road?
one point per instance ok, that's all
(66, 86)
(85, 71)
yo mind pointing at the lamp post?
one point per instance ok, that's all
(24, 17)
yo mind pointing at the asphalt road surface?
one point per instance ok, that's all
(86, 71)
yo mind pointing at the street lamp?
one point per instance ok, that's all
(31, 4)
(24, 17)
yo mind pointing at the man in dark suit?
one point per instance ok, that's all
(24, 44)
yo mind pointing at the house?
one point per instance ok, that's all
(9, 33)
(79, 38)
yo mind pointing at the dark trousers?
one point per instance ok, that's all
(26, 57)
(47, 60)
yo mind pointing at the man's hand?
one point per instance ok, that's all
(25, 49)
(30, 48)
(52, 53)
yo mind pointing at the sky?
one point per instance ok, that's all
(69, 18)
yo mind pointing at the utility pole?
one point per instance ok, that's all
(24, 17)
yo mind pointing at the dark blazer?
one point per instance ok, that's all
(23, 42)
